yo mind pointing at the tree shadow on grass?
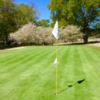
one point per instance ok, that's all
(90, 42)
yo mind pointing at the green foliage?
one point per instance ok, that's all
(7, 18)
(73, 11)
(98, 26)
(13, 16)
(43, 22)
(80, 12)
(25, 14)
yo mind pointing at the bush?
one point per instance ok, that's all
(30, 34)
(70, 34)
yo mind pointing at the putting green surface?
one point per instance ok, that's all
(29, 73)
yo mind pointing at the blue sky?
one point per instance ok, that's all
(41, 7)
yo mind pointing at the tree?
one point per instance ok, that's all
(7, 19)
(79, 12)
(25, 14)
(12, 17)
(43, 22)
(98, 26)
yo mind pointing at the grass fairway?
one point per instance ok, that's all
(29, 73)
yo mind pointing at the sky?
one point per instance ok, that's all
(41, 6)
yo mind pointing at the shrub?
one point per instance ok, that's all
(71, 33)
(30, 34)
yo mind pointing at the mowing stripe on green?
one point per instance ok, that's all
(29, 73)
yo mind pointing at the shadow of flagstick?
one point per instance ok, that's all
(69, 86)
(65, 89)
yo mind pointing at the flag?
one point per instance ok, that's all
(56, 61)
(55, 31)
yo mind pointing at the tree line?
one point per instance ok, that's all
(78, 12)
(82, 13)
(13, 16)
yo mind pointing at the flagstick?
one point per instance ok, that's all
(56, 73)
(56, 78)
(55, 33)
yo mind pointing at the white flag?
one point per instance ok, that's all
(56, 61)
(55, 31)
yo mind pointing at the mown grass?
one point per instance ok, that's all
(29, 73)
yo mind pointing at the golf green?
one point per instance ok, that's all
(28, 73)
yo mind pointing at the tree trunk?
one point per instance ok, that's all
(85, 38)
(6, 40)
